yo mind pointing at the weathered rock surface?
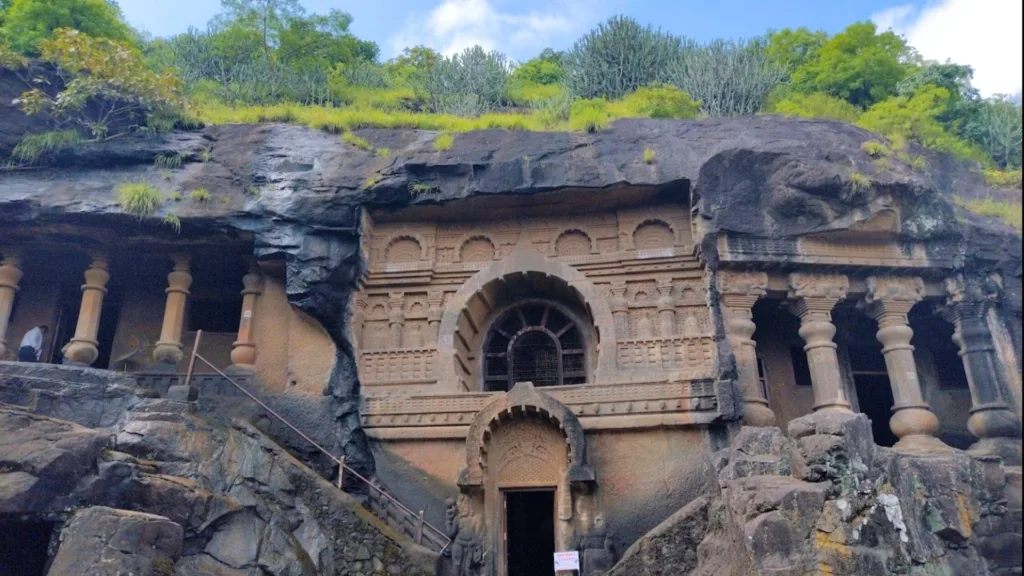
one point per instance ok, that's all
(106, 542)
(763, 176)
(238, 503)
(828, 501)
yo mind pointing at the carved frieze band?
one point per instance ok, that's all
(585, 400)
(410, 365)
(690, 357)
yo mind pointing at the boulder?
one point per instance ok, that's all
(102, 541)
(42, 460)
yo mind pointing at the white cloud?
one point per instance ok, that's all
(454, 25)
(986, 34)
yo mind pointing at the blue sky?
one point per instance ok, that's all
(983, 33)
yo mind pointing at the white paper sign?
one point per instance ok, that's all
(567, 561)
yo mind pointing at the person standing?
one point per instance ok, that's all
(31, 349)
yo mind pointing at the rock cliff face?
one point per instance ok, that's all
(826, 497)
(826, 500)
(150, 488)
(298, 192)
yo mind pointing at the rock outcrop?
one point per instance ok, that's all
(826, 500)
(298, 192)
(162, 489)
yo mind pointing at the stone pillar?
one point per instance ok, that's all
(243, 349)
(620, 310)
(992, 420)
(666, 309)
(889, 300)
(10, 275)
(168, 348)
(435, 311)
(82, 349)
(816, 295)
(396, 317)
(738, 292)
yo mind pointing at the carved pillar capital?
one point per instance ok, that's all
(890, 298)
(817, 293)
(739, 290)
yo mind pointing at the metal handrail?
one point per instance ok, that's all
(342, 467)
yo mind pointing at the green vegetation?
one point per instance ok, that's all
(418, 188)
(139, 198)
(174, 222)
(175, 196)
(253, 191)
(383, 152)
(876, 149)
(168, 161)
(1008, 211)
(270, 60)
(205, 155)
(648, 156)
(859, 181)
(1003, 178)
(370, 183)
(34, 146)
(443, 142)
(200, 195)
(27, 23)
(356, 141)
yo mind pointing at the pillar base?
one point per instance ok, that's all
(922, 445)
(757, 413)
(1009, 449)
(182, 393)
(240, 369)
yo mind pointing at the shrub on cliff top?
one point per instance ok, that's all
(97, 70)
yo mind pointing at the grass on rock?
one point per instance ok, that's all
(139, 198)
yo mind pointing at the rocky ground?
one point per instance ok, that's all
(827, 501)
(140, 485)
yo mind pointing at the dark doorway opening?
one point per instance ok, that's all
(858, 333)
(66, 319)
(23, 548)
(109, 315)
(530, 532)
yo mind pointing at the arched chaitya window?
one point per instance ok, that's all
(534, 342)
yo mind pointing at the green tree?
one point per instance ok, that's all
(546, 68)
(322, 40)
(26, 23)
(917, 118)
(266, 18)
(619, 56)
(818, 105)
(857, 64)
(793, 48)
(107, 90)
(998, 130)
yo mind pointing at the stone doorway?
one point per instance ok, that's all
(529, 532)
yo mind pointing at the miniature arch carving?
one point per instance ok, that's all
(572, 242)
(475, 247)
(524, 398)
(652, 224)
(405, 248)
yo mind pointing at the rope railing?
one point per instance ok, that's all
(416, 519)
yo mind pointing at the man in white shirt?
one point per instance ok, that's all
(31, 349)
